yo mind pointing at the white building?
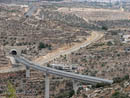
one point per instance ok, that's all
(125, 38)
(63, 67)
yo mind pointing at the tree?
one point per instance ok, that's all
(126, 77)
(71, 93)
(41, 45)
(104, 28)
(109, 43)
(11, 92)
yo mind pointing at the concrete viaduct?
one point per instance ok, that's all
(48, 70)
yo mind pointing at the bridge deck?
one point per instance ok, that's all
(49, 70)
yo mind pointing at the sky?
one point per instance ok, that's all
(102, 0)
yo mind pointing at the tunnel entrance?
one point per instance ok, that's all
(13, 52)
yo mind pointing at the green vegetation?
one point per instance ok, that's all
(98, 85)
(42, 45)
(126, 77)
(104, 28)
(119, 95)
(9, 10)
(11, 92)
(98, 44)
(118, 55)
(109, 43)
(103, 65)
(67, 94)
(114, 33)
(119, 79)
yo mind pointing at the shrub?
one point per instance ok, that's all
(117, 80)
(126, 77)
(41, 45)
(109, 43)
(67, 94)
(11, 92)
(104, 28)
(98, 85)
(119, 95)
(103, 65)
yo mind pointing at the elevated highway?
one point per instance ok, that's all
(49, 70)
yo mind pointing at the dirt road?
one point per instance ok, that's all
(95, 36)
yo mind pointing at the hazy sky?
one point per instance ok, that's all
(102, 0)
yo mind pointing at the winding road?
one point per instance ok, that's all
(94, 37)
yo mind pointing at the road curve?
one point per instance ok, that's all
(95, 36)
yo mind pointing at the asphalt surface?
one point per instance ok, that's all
(79, 77)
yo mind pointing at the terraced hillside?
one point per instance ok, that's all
(49, 31)
(93, 14)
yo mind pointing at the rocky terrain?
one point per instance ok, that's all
(50, 29)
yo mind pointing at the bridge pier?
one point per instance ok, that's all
(75, 86)
(47, 84)
(27, 72)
